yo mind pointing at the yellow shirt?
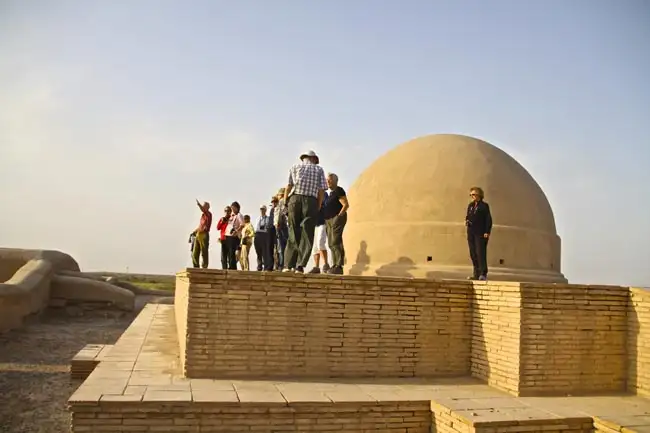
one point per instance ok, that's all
(247, 232)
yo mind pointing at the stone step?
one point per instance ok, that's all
(87, 359)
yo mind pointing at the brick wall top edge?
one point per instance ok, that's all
(197, 407)
(490, 284)
(218, 274)
(216, 288)
(552, 286)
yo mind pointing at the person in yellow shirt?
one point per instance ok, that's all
(247, 235)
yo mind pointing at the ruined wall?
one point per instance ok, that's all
(26, 292)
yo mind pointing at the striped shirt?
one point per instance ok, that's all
(307, 178)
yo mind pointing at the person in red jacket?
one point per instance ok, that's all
(222, 224)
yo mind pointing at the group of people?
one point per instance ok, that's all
(303, 219)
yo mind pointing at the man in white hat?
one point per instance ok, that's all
(262, 241)
(303, 197)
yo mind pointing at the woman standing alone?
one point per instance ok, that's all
(479, 225)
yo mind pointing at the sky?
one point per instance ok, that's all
(115, 116)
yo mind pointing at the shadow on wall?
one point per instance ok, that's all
(363, 260)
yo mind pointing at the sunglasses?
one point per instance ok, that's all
(473, 195)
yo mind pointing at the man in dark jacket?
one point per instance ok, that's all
(479, 225)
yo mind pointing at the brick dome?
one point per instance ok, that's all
(407, 213)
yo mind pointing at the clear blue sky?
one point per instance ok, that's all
(115, 115)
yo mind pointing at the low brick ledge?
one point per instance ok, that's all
(85, 361)
(624, 424)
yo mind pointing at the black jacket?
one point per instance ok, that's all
(478, 219)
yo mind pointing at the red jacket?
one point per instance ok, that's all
(221, 226)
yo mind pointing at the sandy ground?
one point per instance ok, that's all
(35, 363)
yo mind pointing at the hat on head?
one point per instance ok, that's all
(309, 154)
(263, 206)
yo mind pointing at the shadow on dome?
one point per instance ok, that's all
(398, 268)
(362, 262)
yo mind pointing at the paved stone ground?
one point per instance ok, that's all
(34, 365)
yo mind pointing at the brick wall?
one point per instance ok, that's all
(181, 303)
(392, 417)
(496, 334)
(251, 324)
(526, 339)
(638, 322)
(573, 339)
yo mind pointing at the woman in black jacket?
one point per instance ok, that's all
(479, 225)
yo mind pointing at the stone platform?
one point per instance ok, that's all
(139, 386)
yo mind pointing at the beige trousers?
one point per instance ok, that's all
(243, 257)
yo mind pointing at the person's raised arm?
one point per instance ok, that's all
(198, 203)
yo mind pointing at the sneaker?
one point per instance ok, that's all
(336, 270)
(326, 267)
(482, 278)
(316, 270)
(287, 270)
(300, 270)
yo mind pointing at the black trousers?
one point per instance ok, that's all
(273, 240)
(229, 252)
(263, 251)
(334, 227)
(302, 216)
(478, 253)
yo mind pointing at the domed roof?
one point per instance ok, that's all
(428, 178)
(407, 213)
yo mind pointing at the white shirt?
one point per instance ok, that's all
(234, 223)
